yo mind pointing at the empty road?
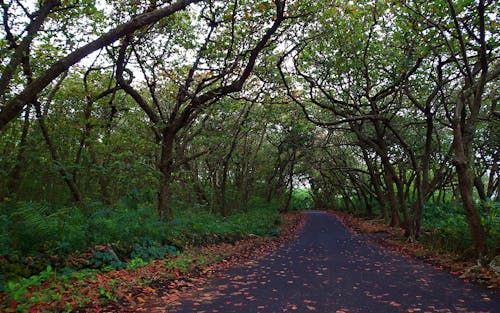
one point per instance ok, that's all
(328, 269)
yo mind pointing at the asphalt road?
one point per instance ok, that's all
(329, 270)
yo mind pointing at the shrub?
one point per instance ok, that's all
(149, 249)
(4, 235)
(301, 200)
(35, 234)
(449, 229)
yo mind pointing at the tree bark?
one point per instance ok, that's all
(375, 180)
(198, 188)
(389, 182)
(166, 168)
(462, 146)
(288, 200)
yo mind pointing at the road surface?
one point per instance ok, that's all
(327, 269)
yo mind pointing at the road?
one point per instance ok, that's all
(327, 269)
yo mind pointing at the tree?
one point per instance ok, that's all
(16, 101)
(212, 74)
(464, 33)
(355, 83)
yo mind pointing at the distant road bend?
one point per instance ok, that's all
(329, 270)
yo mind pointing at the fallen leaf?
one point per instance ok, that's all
(141, 300)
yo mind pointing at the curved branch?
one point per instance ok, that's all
(13, 107)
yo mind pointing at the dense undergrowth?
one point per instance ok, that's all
(445, 228)
(141, 283)
(301, 200)
(36, 237)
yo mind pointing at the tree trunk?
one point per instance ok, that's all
(366, 200)
(224, 210)
(417, 209)
(402, 202)
(375, 181)
(463, 156)
(198, 188)
(480, 188)
(166, 167)
(422, 182)
(290, 183)
(389, 182)
(288, 201)
(380, 196)
(275, 182)
(213, 183)
(493, 184)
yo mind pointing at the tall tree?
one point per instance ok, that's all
(195, 84)
(469, 51)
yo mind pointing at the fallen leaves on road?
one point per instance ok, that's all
(393, 239)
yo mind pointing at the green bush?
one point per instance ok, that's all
(449, 229)
(148, 250)
(490, 218)
(33, 233)
(4, 235)
(201, 227)
(301, 200)
(105, 258)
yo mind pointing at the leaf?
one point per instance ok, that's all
(394, 304)
(13, 304)
(141, 300)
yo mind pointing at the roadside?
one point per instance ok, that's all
(140, 286)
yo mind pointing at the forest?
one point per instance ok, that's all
(132, 129)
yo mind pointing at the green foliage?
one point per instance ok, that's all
(448, 227)
(135, 263)
(491, 220)
(101, 259)
(301, 200)
(34, 232)
(36, 227)
(4, 234)
(131, 227)
(148, 250)
(201, 227)
(449, 230)
(18, 290)
(56, 282)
